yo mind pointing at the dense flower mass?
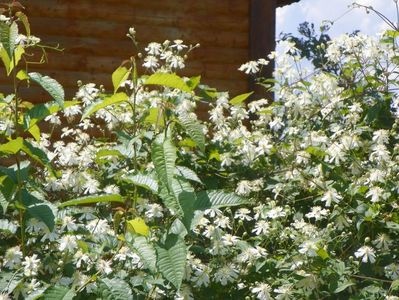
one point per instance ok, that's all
(131, 196)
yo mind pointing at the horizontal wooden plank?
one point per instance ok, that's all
(124, 49)
(98, 27)
(112, 32)
(123, 10)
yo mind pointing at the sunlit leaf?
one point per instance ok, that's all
(93, 199)
(50, 85)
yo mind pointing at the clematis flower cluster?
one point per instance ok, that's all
(318, 165)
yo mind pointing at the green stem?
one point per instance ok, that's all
(17, 159)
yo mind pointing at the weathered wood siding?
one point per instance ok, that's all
(93, 33)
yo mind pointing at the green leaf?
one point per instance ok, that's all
(322, 253)
(217, 199)
(143, 181)
(119, 76)
(9, 281)
(38, 112)
(191, 216)
(108, 152)
(155, 117)
(7, 192)
(11, 172)
(38, 155)
(13, 146)
(6, 60)
(178, 228)
(115, 289)
(343, 286)
(3, 203)
(107, 101)
(35, 132)
(8, 37)
(50, 85)
(39, 209)
(138, 226)
(168, 80)
(171, 197)
(194, 82)
(146, 252)
(240, 98)
(58, 292)
(24, 19)
(93, 199)
(188, 174)
(316, 151)
(22, 75)
(164, 156)
(194, 129)
(395, 285)
(171, 259)
(392, 225)
(19, 51)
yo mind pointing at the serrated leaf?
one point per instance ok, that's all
(146, 252)
(50, 85)
(138, 226)
(171, 259)
(240, 98)
(12, 146)
(38, 209)
(115, 289)
(93, 199)
(187, 174)
(163, 156)
(171, 197)
(3, 203)
(8, 37)
(58, 292)
(168, 80)
(217, 199)
(9, 281)
(144, 181)
(107, 101)
(194, 129)
(119, 76)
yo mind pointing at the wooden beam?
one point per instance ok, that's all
(261, 36)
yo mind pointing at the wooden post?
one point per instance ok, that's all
(262, 14)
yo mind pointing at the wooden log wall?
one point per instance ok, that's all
(93, 35)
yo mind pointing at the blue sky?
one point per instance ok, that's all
(346, 20)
